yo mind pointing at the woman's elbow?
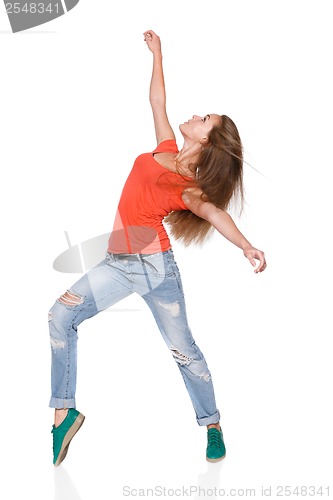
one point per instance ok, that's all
(157, 102)
(217, 215)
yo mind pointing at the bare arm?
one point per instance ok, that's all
(157, 94)
(225, 225)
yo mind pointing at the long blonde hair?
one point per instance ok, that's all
(219, 175)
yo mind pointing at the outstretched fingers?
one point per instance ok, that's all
(262, 263)
(253, 254)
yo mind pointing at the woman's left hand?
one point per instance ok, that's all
(153, 41)
(252, 253)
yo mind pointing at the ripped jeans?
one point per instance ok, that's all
(156, 278)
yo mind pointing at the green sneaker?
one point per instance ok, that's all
(63, 434)
(215, 446)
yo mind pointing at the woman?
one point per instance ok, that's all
(190, 189)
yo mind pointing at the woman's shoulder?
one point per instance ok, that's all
(167, 146)
(193, 192)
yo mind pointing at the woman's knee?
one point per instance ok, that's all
(63, 312)
(70, 298)
(193, 362)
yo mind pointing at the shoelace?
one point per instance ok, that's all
(53, 438)
(214, 438)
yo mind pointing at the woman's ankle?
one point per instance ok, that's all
(217, 426)
(59, 416)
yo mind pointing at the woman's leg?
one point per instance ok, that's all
(166, 301)
(97, 290)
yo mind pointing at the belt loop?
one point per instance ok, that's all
(145, 271)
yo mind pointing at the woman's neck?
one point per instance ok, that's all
(187, 157)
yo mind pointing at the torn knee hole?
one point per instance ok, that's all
(57, 343)
(173, 308)
(70, 299)
(206, 377)
(180, 358)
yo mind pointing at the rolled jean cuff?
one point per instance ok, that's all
(214, 419)
(62, 403)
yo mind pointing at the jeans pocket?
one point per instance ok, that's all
(158, 265)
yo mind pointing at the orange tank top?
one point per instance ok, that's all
(150, 193)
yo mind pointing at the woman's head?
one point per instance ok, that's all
(197, 128)
(218, 171)
(219, 168)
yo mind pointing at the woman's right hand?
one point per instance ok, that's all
(153, 41)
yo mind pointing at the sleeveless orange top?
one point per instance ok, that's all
(150, 193)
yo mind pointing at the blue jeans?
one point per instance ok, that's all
(156, 278)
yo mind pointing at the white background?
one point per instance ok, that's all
(74, 115)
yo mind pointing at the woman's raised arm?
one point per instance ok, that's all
(157, 94)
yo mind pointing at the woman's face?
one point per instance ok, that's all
(198, 127)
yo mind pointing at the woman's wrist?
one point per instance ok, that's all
(157, 54)
(246, 246)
